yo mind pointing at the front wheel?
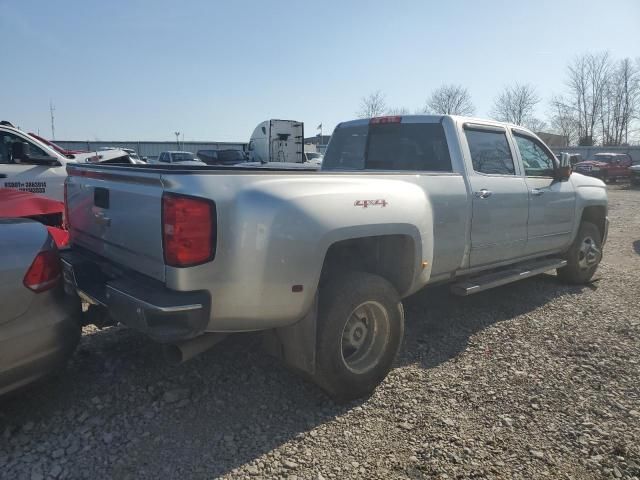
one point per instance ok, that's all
(583, 256)
(360, 330)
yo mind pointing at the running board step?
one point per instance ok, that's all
(502, 277)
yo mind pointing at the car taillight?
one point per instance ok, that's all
(45, 271)
(390, 119)
(188, 230)
(65, 221)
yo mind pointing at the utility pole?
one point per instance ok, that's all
(53, 120)
(177, 134)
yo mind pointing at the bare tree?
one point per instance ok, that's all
(621, 101)
(536, 125)
(564, 119)
(450, 100)
(517, 104)
(587, 84)
(373, 105)
(397, 111)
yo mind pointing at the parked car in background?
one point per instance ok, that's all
(321, 260)
(277, 141)
(39, 324)
(49, 212)
(222, 157)
(107, 154)
(635, 174)
(608, 167)
(31, 165)
(314, 158)
(130, 152)
(182, 158)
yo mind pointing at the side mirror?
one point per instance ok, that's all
(20, 151)
(564, 169)
(145, 159)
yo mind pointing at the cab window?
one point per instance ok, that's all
(490, 152)
(7, 139)
(537, 161)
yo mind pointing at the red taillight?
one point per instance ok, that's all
(380, 120)
(45, 271)
(188, 230)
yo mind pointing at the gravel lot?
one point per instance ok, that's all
(532, 380)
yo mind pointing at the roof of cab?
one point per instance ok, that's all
(432, 119)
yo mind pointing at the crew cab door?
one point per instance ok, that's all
(500, 198)
(40, 174)
(551, 202)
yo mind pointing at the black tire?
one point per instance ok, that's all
(342, 300)
(579, 269)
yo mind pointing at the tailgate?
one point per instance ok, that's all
(117, 215)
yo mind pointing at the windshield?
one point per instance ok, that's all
(392, 146)
(182, 157)
(313, 155)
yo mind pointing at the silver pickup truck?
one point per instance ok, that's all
(320, 260)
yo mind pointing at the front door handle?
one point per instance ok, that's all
(536, 192)
(3, 175)
(102, 219)
(484, 193)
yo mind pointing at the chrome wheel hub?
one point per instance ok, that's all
(365, 337)
(589, 253)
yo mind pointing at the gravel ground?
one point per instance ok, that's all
(533, 380)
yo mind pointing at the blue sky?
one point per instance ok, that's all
(119, 70)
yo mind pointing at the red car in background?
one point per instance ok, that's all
(608, 167)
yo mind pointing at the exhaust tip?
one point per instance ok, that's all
(181, 352)
(173, 355)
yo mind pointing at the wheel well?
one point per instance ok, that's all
(390, 256)
(597, 216)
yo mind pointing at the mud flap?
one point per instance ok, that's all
(295, 345)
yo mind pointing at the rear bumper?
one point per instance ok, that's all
(139, 302)
(39, 341)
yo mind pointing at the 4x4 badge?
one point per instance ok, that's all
(370, 203)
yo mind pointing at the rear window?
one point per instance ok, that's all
(395, 146)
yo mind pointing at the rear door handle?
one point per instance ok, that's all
(536, 192)
(484, 193)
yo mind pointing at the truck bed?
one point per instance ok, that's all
(273, 228)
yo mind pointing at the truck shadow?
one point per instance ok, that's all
(132, 416)
(440, 323)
